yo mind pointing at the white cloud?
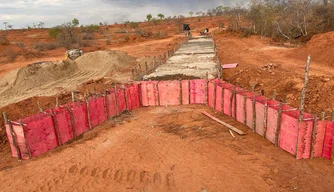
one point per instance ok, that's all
(53, 12)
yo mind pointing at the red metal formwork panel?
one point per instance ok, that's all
(97, 110)
(63, 119)
(198, 91)
(249, 109)
(240, 107)
(227, 102)
(20, 139)
(260, 113)
(288, 133)
(272, 119)
(328, 142)
(211, 94)
(121, 101)
(305, 140)
(80, 117)
(149, 93)
(111, 103)
(40, 134)
(219, 98)
(169, 92)
(133, 96)
(185, 92)
(319, 138)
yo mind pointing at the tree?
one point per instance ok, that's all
(75, 22)
(161, 16)
(5, 23)
(40, 25)
(149, 17)
(191, 13)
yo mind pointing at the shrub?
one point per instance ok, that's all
(45, 46)
(4, 41)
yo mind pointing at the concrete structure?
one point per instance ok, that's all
(194, 59)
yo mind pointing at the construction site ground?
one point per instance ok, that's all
(178, 148)
(168, 149)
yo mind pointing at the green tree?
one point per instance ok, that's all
(149, 17)
(75, 22)
(191, 13)
(161, 16)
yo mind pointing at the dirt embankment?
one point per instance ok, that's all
(278, 68)
(320, 47)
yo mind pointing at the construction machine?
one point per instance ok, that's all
(73, 54)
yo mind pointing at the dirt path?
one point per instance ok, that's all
(169, 149)
(273, 68)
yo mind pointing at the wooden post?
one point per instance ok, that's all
(215, 94)
(302, 99)
(133, 74)
(39, 107)
(265, 118)
(126, 98)
(116, 101)
(88, 112)
(140, 69)
(181, 99)
(207, 91)
(72, 121)
(73, 97)
(245, 109)
(189, 90)
(223, 99)
(25, 141)
(56, 127)
(12, 133)
(284, 98)
(57, 101)
(106, 103)
(332, 114)
(235, 101)
(323, 116)
(274, 94)
(158, 94)
(278, 128)
(253, 88)
(146, 66)
(314, 134)
(254, 113)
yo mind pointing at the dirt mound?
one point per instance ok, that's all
(37, 74)
(320, 47)
(104, 61)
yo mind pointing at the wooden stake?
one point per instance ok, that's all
(88, 113)
(56, 127)
(73, 97)
(333, 116)
(265, 119)
(253, 87)
(284, 98)
(25, 141)
(11, 129)
(116, 101)
(72, 121)
(146, 66)
(278, 128)
(254, 114)
(126, 98)
(133, 74)
(314, 134)
(323, 116)
(245, 109)
(39, 107)
(157, 87)
(223, 99)
(214, 95)
(106, 103)
(235, 101)
(274, 94)
(57, 101)
(181, 99)
(302, 99)
(189, 90)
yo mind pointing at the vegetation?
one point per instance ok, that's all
(149, 17)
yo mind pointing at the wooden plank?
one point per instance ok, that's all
(265, 122)
(55, 122)
(254, 114)
(279, 120)
(225, 124)
(245, 110)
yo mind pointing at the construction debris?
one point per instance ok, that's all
(230, 66)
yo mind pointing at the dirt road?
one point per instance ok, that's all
(169, 149)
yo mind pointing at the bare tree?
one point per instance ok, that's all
(5, 23)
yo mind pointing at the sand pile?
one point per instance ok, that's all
(50, 78)
(320, 47)
(104, 61)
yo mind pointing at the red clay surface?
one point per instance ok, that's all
(169, 149)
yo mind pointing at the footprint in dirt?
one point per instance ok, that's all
(170, 180)
(145, 177)
(118, 176)
(131, 176)
(107, 174)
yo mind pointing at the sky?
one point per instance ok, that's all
(21, 13)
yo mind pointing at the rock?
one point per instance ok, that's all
(273, 73)
(326, 79)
